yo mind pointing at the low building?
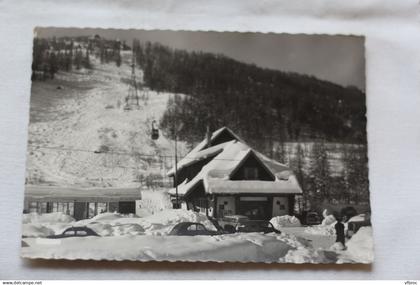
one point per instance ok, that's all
(80, 203)
(224, 176)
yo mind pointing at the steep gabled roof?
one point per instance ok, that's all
(214, 136)
(192, 158)
(201, 151)
(217, 173)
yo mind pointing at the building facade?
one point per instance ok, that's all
(80, 203)
(224, 176)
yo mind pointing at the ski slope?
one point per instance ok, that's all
(80, 134)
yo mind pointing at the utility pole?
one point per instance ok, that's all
(133, 96)
(155, 136)
(176, 167)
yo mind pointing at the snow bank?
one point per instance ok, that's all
(321, 230)
(360, 247)
(303, 252)
(42, 225)
(328, 220)
(175, 216)
(102, 218)
(129, 237)
(57, 217)
(326, 228)
(161, 223)
(113, 224)
(337, 246)
(243, 247)
(36, 230)
(304, 255)
(117, 230)
(285, 221)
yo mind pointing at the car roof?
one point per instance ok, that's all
(189, 223)
(184, 224)
(79, 228)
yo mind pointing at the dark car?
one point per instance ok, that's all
(312, 218)
(75, 232)
(230, 223)
(191, 229)
(256, 226)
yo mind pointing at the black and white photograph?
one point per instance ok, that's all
(165, 145)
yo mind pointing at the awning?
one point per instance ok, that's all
(38, 193)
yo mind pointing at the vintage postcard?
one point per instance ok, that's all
(197, 146)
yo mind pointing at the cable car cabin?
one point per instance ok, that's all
(155, 134)
(155, 131)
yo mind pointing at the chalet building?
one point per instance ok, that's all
(80, 203)
(224, 176)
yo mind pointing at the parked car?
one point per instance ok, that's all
(230, 223)
(75, 232)
(256, 226)
(191, 229)
(312, 218)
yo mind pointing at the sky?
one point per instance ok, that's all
(339, 59)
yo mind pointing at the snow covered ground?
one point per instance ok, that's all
(112, 224)
(280, 222)
(252, 247)
(129, 237)
(81, 112)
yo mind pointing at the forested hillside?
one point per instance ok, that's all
(262, 105)
(314, 126)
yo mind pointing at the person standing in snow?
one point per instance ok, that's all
(339, 230)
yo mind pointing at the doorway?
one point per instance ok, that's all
(255, 208)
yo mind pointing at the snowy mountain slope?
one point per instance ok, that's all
(80, 134)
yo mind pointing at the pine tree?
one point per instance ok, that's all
(53, 64)
(78, 59)
(118, 58)
(86, 61)
(280, 153)
(320, 172)
(67, 61)
(297, 163)
(356, 169)
(102, 52)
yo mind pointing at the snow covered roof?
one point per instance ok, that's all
(198, 156)
(215, 175)
(199, 152)
(73, 194)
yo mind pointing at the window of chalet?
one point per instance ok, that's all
(251, 173)
(252, 168)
